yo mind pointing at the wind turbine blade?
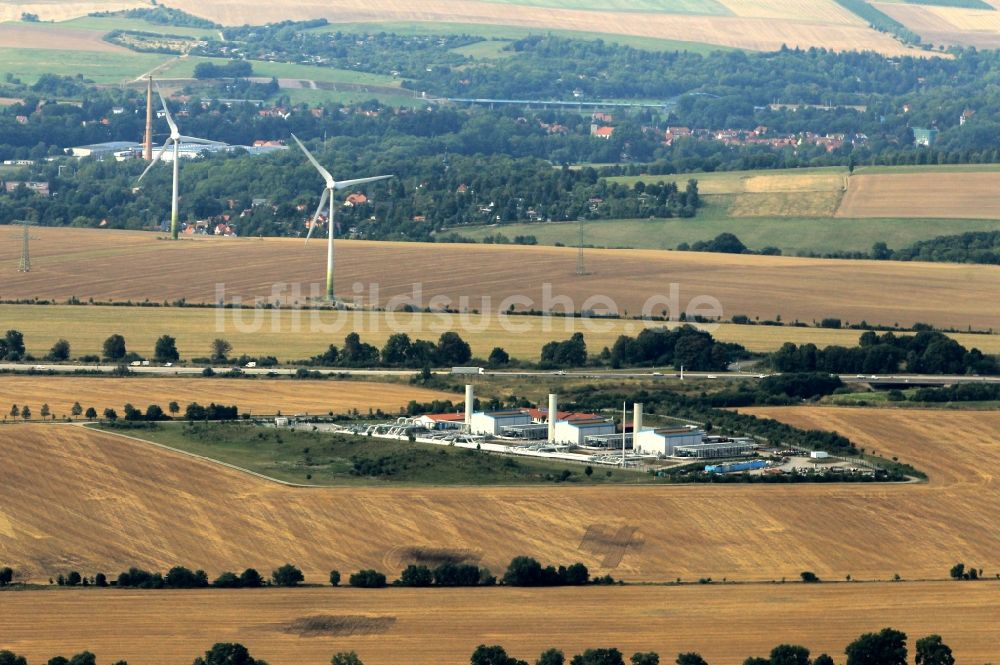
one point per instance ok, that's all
(319, 209)
(166, 111)
(343, 184)
(192, 139)
(326, 174)
(159, 156)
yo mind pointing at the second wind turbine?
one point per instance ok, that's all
(332, 186)
(175, 139)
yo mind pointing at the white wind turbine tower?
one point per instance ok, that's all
(328, 193)
(175, 139)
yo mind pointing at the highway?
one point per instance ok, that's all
(182, 370)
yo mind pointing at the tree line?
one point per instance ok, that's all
(885, 647)
(927, 352)
(523, 571)
(981, 247)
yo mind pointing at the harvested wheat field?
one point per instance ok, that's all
(442, 627)
(948, 25)
(79, 499)
(123, 265)
(760, 25)
(294, 335)
(60, 10)
(259, 396)
(926, 195)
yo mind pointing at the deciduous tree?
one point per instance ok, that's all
(931, 650)
(287, 576)
(886, 647)
(114, 347)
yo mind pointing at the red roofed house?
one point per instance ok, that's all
(355, 199)
(442, 420)
(542, 415)
(601, 132)
(674, 133)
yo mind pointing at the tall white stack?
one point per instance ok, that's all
(470, 397)
(636, 420)
(553, 415)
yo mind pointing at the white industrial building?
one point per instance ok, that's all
(714, 449)
(663, 441)
(441, 421)
(575, 432)
(493, 422)
(107, 149)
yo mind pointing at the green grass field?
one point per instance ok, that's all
(492, 49)
(312, 458)
(319, 97)
(108, 23)
(791, 209)
(107, 68)
(184, 68)
(792, 235)
(512, 32)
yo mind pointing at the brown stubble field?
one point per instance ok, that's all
(256, 396)
(59, 10)
(80, 499)
(764, 25)
(948, 25)
(29, 36)
(135, 265)
(442, 626)
(922, 195)
(745, 24)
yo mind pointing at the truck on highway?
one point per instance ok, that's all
(468, 370)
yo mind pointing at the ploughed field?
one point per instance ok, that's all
(79, 499)
(433, 626)
(136, 266)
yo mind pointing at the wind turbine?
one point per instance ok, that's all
(328, 193)
(175, 139)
